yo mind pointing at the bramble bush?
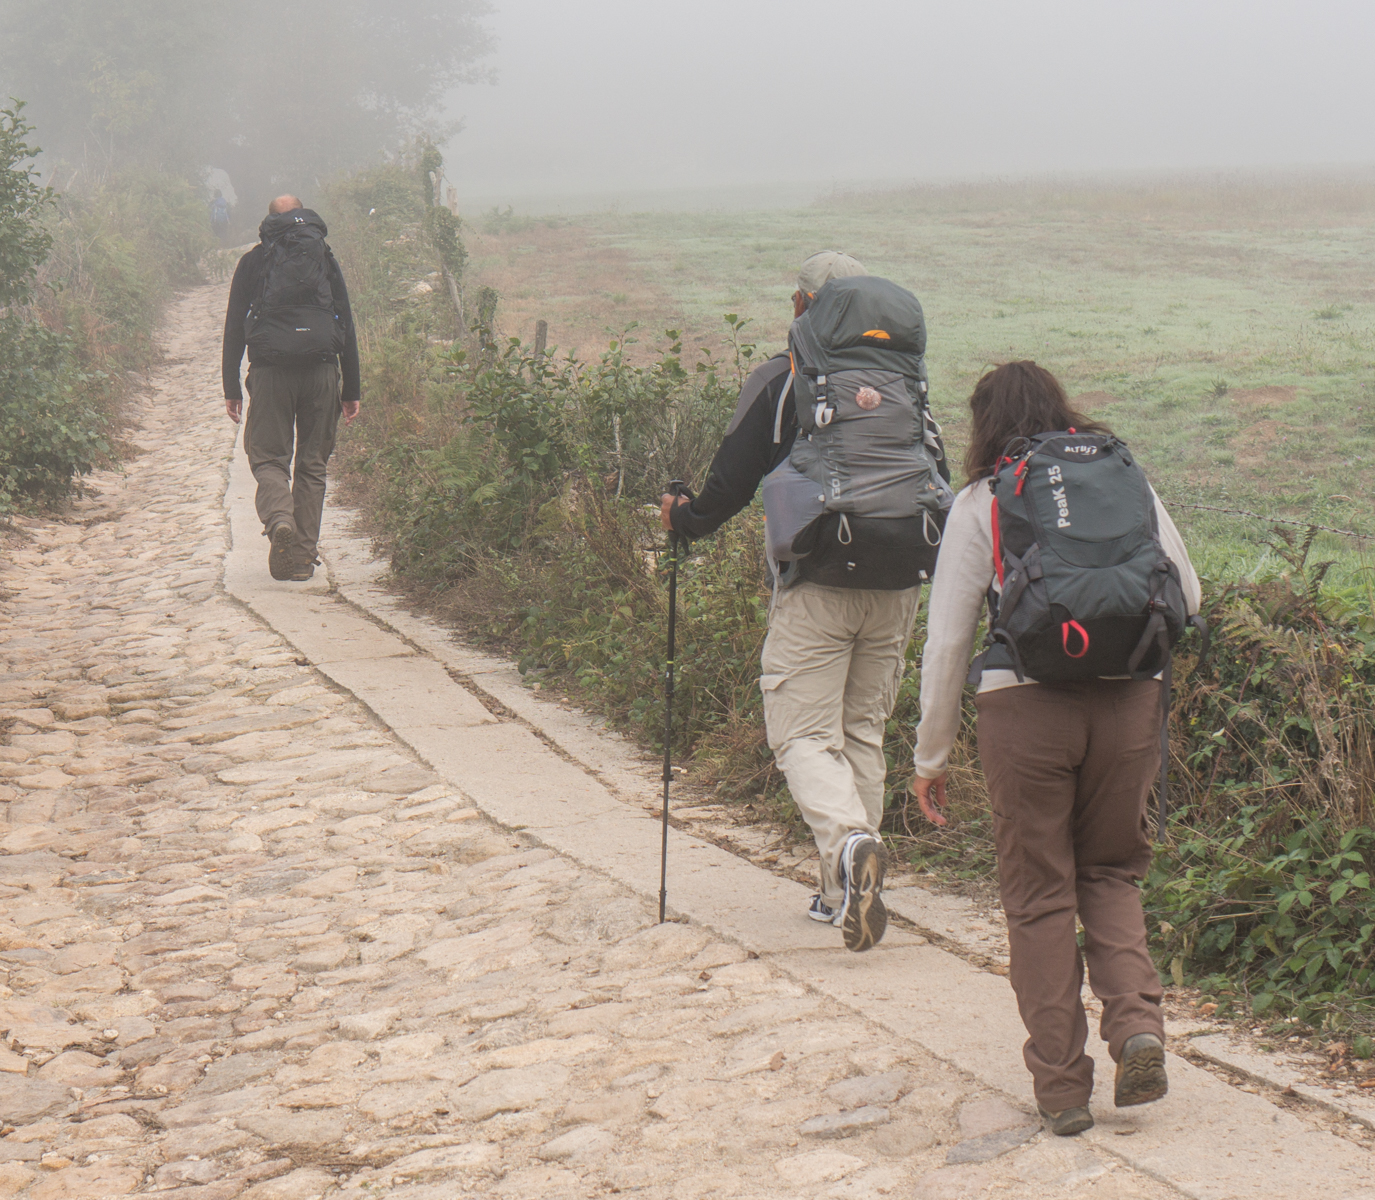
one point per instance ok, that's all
(82, 282)
(518, 496)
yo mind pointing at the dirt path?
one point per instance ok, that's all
(251, 946)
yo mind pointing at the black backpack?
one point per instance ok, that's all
(292, 321)
(1087, 588)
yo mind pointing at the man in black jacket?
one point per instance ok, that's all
(295, 407)
(837, 641)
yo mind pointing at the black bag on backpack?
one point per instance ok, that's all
(1087, 588)
(292, 321)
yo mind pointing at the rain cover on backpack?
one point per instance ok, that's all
(292, 322)
(1087, 588)
(867, 446)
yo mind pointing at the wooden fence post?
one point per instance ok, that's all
(541, 337)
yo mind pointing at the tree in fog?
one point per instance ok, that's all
(279, 94)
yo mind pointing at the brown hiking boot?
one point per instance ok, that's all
(283, 539)
(1141, 1071)
(301, 573)
(1067, 1121)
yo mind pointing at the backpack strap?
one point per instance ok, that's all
(778, 411)
(1025, 572)
(1162, 801)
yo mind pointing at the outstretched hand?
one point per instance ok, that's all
(666, 510)
(930, 794)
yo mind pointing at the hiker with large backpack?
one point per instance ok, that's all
(1088, 586)
(839, 432)
(289, 308)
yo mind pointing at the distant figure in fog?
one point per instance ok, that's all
(289, 307)
(219, 216)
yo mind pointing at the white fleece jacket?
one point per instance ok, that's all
(964, 572)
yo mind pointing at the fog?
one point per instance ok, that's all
(626, 97)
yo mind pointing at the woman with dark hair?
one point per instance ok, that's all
(1069, 768)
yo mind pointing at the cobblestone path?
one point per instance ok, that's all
(250, 947)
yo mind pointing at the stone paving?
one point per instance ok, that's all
(249, 946)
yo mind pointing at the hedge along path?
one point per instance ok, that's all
(251, 945)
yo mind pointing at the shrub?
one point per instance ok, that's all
(82, 282)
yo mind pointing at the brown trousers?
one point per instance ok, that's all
(1069, 770)
(292, 411)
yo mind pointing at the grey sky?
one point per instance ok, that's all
(643, 94)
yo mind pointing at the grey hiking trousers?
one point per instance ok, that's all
(292, 411)
(832, 664)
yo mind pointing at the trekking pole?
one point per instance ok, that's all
(676, 488)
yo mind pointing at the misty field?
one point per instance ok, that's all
(1225, 329)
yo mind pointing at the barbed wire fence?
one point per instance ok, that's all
(1269, 519)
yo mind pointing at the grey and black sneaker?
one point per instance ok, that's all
(1140, 1071)
(1067, 1121)
(821, 911)
(279, 563)
(863, 918)
(302, 572)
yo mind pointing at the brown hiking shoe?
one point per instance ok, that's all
(303, 572)
(283, 539)
(1067, 1121)
(1141, 1071)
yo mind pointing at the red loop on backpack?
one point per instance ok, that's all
(1020, 475)
(997, 545)
(1064, 638)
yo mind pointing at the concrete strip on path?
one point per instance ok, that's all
(1208, 1140)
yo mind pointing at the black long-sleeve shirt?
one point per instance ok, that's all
(879, 554)
(247, 277)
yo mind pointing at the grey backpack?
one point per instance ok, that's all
(867, 446)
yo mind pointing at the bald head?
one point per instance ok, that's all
(283, 204)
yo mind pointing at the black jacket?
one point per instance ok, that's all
(247, 278)
(880, 554)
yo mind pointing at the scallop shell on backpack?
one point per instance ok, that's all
(868, 399)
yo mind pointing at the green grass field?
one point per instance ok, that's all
(1226, 329)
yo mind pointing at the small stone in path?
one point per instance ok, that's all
(365, 1026)
(843, 1124)
(577, 1145)
(817, 1166)
(981, 1149)
(901, 1140)
(952, 1183)
(436, 1163)
(309, 1183)
(868, 1089)
(988, 1115)
(24, 1101)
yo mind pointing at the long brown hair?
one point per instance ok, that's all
(1017, 399)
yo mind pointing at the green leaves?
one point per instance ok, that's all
(1283, 911)
(24, 240)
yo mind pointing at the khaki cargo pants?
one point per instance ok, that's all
(293, 412)
(832, 663)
